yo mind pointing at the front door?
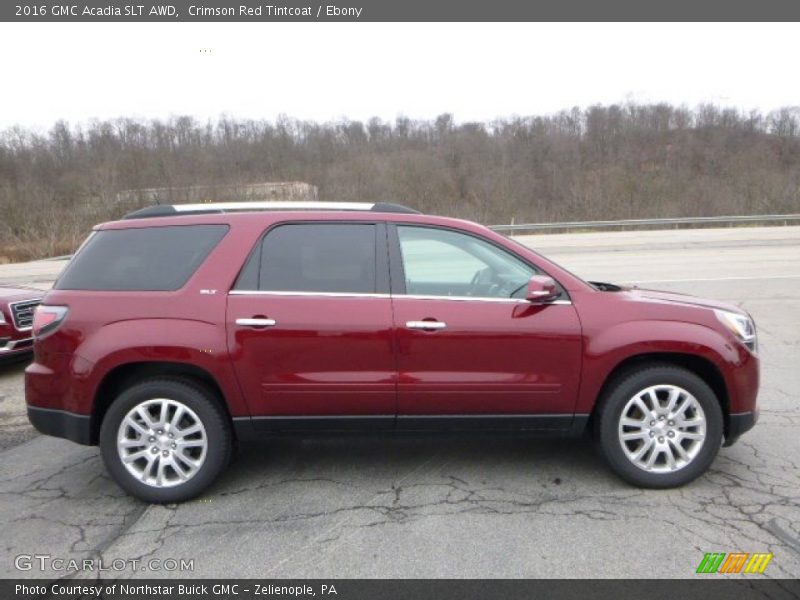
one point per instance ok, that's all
(470, 345)
(309, 328)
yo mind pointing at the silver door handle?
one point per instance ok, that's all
(426, 325)
(256, 322)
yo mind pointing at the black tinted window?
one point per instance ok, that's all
(313, 258)
(151, 259)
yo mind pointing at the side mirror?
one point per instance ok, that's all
(541, 288)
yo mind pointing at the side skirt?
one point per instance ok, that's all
(255, 428)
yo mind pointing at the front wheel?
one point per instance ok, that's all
(659, 426)
(165, 440)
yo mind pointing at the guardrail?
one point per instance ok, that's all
(650, 223)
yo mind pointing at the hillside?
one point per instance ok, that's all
(604, 162)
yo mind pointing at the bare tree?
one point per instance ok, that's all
(618, 161)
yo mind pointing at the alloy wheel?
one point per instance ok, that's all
(162, 442)
(662, 428)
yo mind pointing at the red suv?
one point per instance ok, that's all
(16, 321)
(180, 329)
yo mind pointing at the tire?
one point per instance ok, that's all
(179, 463)
(621, 443)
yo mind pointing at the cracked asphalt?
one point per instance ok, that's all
(451, 507)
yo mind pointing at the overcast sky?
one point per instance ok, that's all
(326, 71)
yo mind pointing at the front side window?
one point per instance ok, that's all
(315, 257)
(439, 262)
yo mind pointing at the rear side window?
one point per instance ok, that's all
(318, 257)
(149, 259)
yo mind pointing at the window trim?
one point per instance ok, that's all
(390, 296)
(397, 270)
(382, 287)
(299, 293)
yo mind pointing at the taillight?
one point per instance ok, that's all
(46, 319)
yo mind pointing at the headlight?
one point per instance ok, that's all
(741, 326)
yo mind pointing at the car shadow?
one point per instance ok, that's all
(378, 459)
(15, 365)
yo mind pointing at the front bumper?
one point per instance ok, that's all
(738, 424)
(61, 423)
(12, 347)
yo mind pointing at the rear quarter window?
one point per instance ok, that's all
(147, 259)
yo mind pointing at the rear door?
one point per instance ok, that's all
(309, 327)
(471, 350)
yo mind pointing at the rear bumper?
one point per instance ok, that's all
(63, 424)
(738, 424)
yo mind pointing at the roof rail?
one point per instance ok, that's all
(170, 210)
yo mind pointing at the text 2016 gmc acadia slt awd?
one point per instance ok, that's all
(180, 329)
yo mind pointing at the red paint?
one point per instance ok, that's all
(9, 332)
(493, 357)
(354, 355)
(324, 356)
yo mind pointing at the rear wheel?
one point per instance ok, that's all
(659, 426)
(165, 440)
